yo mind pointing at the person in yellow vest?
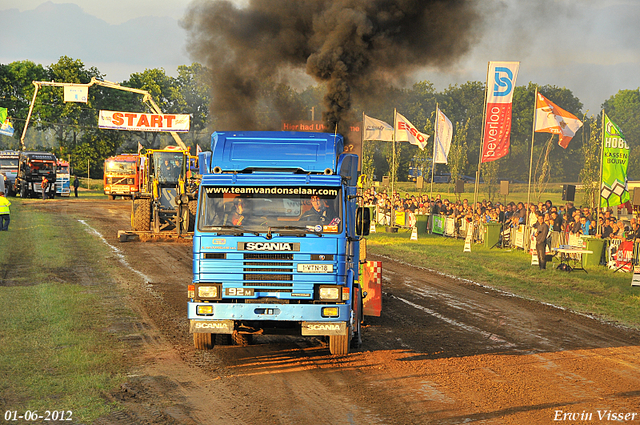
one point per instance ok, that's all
(4, 212)
(45, 186)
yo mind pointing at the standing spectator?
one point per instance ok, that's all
(557, 221)
(44, 185)
(541, 232)
(606, 229)
(2, 184)
(76, 185)
(5, 216)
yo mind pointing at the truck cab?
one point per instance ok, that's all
(9, 168)
(276, 245)
(32, 167)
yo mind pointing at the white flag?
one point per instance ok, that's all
(442, 143)
(375, 129)
(406, 132)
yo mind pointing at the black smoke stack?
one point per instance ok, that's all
(352, 46)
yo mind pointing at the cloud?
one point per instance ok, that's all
(51, 30)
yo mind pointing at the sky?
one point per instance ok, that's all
(590, 47)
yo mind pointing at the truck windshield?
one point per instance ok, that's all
(275, 208)
(120, 167)
(41, 166)
(8, 163)
(168, 166)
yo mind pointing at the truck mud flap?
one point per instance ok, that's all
(324, 328)
(211, 326)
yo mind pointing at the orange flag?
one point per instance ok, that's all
(552, 119)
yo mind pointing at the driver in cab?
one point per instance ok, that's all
(319, 213)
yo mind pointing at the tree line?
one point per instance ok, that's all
(70, 129)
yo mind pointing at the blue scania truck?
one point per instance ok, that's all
(276, 245)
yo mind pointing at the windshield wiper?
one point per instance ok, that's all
(303, 230)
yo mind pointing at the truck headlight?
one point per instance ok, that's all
(208, 292)
(330, 312)
(329, 293)
(204, 310)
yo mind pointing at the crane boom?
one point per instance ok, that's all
(94, 81)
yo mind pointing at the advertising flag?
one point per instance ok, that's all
(501, 80)
(139, 147)
(615, 159)
(443, 136)
(406, 132)
(375, 129)
(6, 128)
(552, 119)
(198, 149)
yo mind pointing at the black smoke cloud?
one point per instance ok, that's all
(352, 46)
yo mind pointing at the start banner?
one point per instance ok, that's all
(501, 81)
(136, 121)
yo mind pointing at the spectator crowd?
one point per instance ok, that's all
(565, 219)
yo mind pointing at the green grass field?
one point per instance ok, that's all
(600, 292)
(56, 353)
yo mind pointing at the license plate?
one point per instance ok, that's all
(315, 268)
(239, 292)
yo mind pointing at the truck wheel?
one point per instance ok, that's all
(193, 209)
(339, 344)
(241, 339)
(203, 341)
(223, 339)
(112, 197)
(141, 219)
(23, 191)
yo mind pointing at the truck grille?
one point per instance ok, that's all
(263, 256)
(265, 276)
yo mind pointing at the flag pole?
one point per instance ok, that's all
(533, 135)
(362, 148)
(484, 117)
(598, 202)
(433, 157)
(393, 170)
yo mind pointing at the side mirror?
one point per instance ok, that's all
(363, 221)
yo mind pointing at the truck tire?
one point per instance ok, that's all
(223, 339)
(111, 197)
(23, 190)
(241, 339)
(141, 219)
(339, 344)
(203, 341)
(193, 209)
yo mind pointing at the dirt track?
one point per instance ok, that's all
(444, 351)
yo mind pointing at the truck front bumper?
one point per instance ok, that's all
(310, 316)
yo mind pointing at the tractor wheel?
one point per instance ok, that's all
(203, 341)
(339, 344)
(241, 339)
(155, 221)
(141, 219)
(185, 219)
(193, 209)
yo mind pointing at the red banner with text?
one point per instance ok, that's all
(501, 81)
